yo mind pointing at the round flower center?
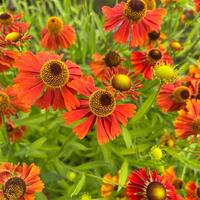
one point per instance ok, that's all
(156, 191)
(54, 25)
(154, 35)
(13, 37)
(4, 102)
(112, 59)
(102, 103)
(54, 73)
(6, 19)
(178, 183)
(198, 192)
(135, 9)
(156, 153)
(196, 125)
(154, 55)
(9, 128)
(181, 94)
(170, 143)
(121, 82)
(14, 188)
(176, 46)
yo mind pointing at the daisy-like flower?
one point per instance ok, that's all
(19, 182)
(149, 186)
(133, 20)
(144, 62)
(7, 59)
(122, 82)
(188, 121)
(14, 133)
(193, 191)
(10, 103)
(43, 80)
(10, 23)
(99, 106)
(197, 4)
(57, 35)
(173, 96)
(102, 62)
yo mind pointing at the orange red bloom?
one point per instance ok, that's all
(149, 185)
(188, 121)
(99, 106)
(144, 62)
(44, 79)
(197, 4)
(19, 182)
(133, 20)
(57, 35)
(193, 191)
(103, 62)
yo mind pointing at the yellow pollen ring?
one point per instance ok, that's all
(13, 37)
(54, 25)
(102, 103)
(121, 82)
(156, 191)
(4, 101)
(6, 19)
(181, 94)
(54, 73)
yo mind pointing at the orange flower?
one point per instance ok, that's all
(7, 59)
(134, 20)
(173, 96)
(10, 23)
(57, 35)
(100, 106)
(143, 62)
(43, 80)
(19, 182)
(193, 191)
(14, 133)
(122, 82)
(10, 103)
(188, 121)
(197, 4)
(101, 63)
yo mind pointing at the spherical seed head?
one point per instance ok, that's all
(86, 196)
(154, 35)
(6, 19)
(4, 101)
(170, 143)
(13, 37)
(156, 153)
(156, 191)
(178, 183)
(54, 25)
(181, 94)
(121, 82)
(112, 59)
(176, 46)
(54, 73)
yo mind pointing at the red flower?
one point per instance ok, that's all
(43, 80)
(142, 185)
(193, 191)
(19, 182)
(98, 106)
(133, 21)
(143, 62)
(57, 35)
(10, 103)
(197, 4)
(7, 59)
(102, 63)
(173, 96)
(10, 23)
(188, 121)
(122, 82)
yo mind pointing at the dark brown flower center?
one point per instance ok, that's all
(14, 189)
(6, 19)
(181, 94)
(135, 9)
(156, 191)
(102, 103)
(112, 59)
(9, 128)
(155, 54)
(178, 183)
(154, 35)
(54, 73)
(4, 101)
(198, 192)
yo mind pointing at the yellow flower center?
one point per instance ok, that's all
(170, 143)
(6, 19)
(156, 191)
(196, 125)
(4, 102)
(13, 37)
(54, 73)
(14, 188)
(135, 9)
(54, 25)
(181, 94)
(156, 153)
(176, 46)
(178, 183)
(165, 73)
(102, 103)
(154, 35)
(154, 55)
(121, 82)
(112, 59)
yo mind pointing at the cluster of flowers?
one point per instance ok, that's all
(44, 79)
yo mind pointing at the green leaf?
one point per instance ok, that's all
(123, 173)
(40, 196)
(79, 186)
(127, 137)
(38, 143)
